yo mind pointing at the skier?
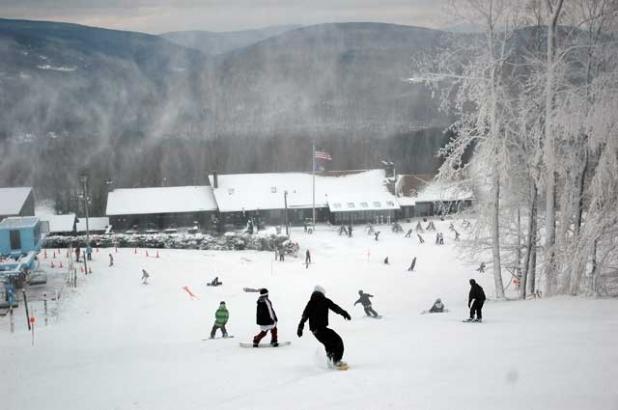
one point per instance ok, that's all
(438, 307)
(377, 235)
(412, 265)
(221, 318)
(420, 238)
(111, 260)
(316, 312)
(145, 277)
(476, 299)
(409, 233)
(363, 299)
(266, 319)
(307, 259)
(386, 261)
(281, 254)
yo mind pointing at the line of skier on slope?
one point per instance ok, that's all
(316, 312)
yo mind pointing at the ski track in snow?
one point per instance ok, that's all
(117, 344)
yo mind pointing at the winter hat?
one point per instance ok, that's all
(320, 289)
(472, 282)
(263, 292)
(222, 302)
(360, 292)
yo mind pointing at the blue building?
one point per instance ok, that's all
(19, 236)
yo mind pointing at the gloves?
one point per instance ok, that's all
(299, 332)
(346, 316)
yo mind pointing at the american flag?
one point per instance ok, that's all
(322, 155)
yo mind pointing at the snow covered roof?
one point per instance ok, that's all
(60, 223)
(442, 191)
(94, 224)
(19, 222)
(12, 200)
(160, 200)
(246, 192)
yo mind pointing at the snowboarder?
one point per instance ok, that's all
(316, 312)
(307, 259)
(111, 260)
(221, 318)
(386, 261)
(145, 277)
(266, 318)
(363, 299)
(89, 252)
(215, 282)
(412, 265)
(476, 299)
(438, 307)
(377, 235)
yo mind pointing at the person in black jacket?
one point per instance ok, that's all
(363, 299)
(476, 299)
(316, 312)
(266, 319)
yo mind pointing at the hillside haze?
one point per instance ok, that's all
(139, 109)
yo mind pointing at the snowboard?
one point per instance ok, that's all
(262, 345)
(471, 321)
(210, 284)
(374, 317)
(218, 337)
(426, 311)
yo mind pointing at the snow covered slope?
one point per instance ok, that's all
(118, 344)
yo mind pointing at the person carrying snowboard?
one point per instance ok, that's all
(221, 318)
(266, 318)
(476, 299)
(363, 299)
(316, 312)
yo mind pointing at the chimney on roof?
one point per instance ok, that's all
(215, 180)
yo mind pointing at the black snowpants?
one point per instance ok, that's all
(369, 311)
(477, 307)
(332, 343)
(214, 330)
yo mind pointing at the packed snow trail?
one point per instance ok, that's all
(118, 344)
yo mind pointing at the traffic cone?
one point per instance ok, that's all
(157, 254)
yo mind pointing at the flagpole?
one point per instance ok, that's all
(313, 176)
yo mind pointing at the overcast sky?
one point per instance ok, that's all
(159, 16)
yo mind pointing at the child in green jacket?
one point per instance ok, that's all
(221, 317)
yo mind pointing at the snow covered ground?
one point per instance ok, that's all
(118, 344)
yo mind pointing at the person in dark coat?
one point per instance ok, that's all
(438, 307)
(412, 265)
(316, 312)
(476, 299)
(307, 259)
(266, 318)
(363, 299)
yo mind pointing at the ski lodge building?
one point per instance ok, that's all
(16, 202)
(342, 197)
(161, 208)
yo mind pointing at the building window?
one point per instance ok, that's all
(337, 205)
(364, 205)
(351, 205)
(390, 203)
(377, 204)
(15, 240)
